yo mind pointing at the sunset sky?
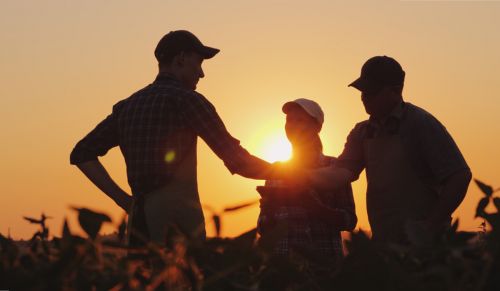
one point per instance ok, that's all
(63, 64)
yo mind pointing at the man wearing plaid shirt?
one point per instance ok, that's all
(156, 129)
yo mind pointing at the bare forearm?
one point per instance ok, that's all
(256, 169)
(452, 194)
(96, 173)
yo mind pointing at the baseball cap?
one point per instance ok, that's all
(378, 72)
(310, 107)
(177, 41)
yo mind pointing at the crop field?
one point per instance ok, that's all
(455, 261)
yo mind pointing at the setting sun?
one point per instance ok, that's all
(275, 148)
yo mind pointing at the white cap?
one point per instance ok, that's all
(312, 108)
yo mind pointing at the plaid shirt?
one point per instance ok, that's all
(155, 129)
(309, 233)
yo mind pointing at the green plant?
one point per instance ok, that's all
(456, 261)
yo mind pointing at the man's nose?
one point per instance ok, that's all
(202, 74)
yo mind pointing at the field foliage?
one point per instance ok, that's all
(455, 261)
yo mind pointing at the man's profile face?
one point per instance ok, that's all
(378, 103)
(371, 101)
(190, 69)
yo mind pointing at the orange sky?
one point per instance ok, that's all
(65, 63)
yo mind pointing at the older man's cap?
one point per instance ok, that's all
(378, 72)
(178, 41)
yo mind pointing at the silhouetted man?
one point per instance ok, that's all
(156, 129)
(416, 174)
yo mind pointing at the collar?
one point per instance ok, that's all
(166, 78)
(396, 113)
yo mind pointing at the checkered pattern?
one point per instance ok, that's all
(156, 128)
(309, 233)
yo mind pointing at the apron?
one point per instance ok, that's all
(176, 205)
(395, 194)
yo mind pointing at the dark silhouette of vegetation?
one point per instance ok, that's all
(217, 215)
(43, 234)
(455, 261)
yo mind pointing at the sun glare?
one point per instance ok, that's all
(276, 148)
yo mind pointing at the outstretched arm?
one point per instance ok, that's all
(255, 168)
(202, 117)
(96, 173)
(346, 168)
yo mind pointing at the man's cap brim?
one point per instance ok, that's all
(289, 105)
(359, 84)
(364, 85)
(208, 52)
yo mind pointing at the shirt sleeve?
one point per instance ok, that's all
(352, 157)
(340, 210)
(202, 117)
(439, 150)
(97, 143)
(336, 207)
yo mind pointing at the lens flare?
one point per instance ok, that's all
(170, 156)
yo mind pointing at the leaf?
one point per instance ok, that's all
(217, 224)
(32, 220)
(66, 233)
(486, 189)
(481, 206)
(493, 220)
(496, 201)
(122, 229)
(464, 236)
(91, 221)
(8, 249)
(454, 226)
(451, 232)
(238, 207)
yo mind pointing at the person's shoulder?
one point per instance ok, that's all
(420, 116)
(362, 124)
(197, 95)
(132, 98)
(183, 95)
(418, 112)
(196, 100)
(359, 130)
(172, 89)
